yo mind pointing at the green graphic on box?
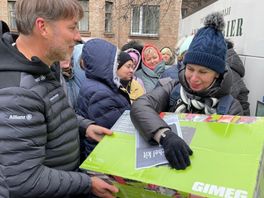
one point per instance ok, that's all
(227, 162)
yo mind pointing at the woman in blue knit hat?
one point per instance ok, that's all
(203, 87)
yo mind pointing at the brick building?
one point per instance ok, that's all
(150, 21)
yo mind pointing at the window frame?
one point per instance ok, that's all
(85, 21)
(110, 16)
(11, 15)
(187, 10)
(140, 25)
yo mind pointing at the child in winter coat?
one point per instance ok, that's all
(101, 97)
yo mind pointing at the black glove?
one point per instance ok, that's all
(176, 150)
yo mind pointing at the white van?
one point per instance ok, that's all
(244, 26)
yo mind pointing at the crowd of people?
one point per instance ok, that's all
(59, 96)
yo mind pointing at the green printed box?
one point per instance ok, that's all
(227, 162)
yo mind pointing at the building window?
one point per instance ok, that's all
(189, 7)
(84, 22)
(108, 16)
(184, 12)
(11, 15)
(145, 20)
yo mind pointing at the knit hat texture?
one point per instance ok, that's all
(208, 47)
(134, 56)
(123, 58)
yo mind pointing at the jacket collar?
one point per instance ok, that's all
(13, 60)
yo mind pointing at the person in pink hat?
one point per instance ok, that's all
(135, 87)
(152, 67)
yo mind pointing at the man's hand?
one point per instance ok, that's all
(102, 189)
(176, 150)
(96, 132)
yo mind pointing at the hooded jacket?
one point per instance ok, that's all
(40, 150)
(171, 72)
(4, 193)
(74, 83)
(100, 98)
(145, 111)
(239, 89)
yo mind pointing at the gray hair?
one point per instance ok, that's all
(27, 11)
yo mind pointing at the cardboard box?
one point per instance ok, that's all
(227, 160)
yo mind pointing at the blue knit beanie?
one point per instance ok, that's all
(208, 47)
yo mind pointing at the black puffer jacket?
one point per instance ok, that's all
(3, 186)
(238, 89)
(39, 145)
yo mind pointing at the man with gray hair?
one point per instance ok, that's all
(39, 145)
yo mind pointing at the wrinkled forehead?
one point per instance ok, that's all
(199, 67)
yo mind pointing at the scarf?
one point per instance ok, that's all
(190, 103)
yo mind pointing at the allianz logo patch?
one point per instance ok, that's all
(219, 191)
(41, 78)
(20, 117)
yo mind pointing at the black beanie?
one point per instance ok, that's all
(123, 58)
(208, 47)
